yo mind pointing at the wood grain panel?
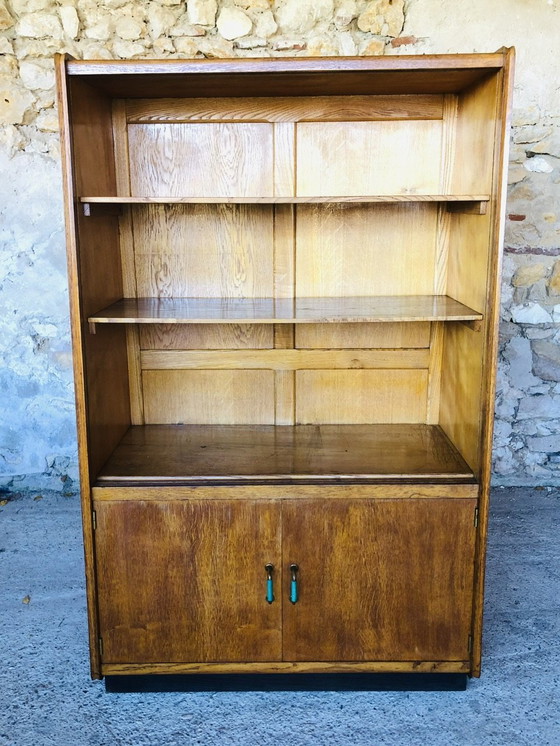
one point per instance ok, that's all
(221, 251)
(217, 397)
(185, 581)
(346, 250)
(285, 109)
(351, 667)
(361, 396)
(369, 158)
(381, 309)
(383, 491)
(353, 454)
(202, 160)
(475, 137)
(461, 390)
(201, 337)
(283, 359)
(389, 580)
(264, 77)
(388, 335)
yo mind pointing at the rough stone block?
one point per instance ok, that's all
(70, 21)
(518, 354)
(547, 407)
(529, 274)
(233, 23)
(300, 16)
(129, 28)
(549, 444)
(6, 20)
(15, 100)
(546, 360)
(265, 25)
(37, 75)
(530, 313)
(39, 25)
(202, 12)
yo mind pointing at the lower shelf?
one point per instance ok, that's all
(279, 454)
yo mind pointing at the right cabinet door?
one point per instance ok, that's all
(379, 579)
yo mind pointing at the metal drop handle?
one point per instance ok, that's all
(269, 583)
(293, 584)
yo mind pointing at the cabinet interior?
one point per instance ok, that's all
(251, 263)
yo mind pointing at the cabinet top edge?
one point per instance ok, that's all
(481, 61)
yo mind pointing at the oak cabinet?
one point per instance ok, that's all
(187, 580)
(284, 284)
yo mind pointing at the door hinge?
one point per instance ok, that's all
(469, 644)
(100, 646)
(476, 517)
(94, 519)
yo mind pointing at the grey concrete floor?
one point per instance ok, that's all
(48, 698)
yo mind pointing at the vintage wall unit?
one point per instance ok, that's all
(284, 297)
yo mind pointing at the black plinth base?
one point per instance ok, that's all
(393, 682)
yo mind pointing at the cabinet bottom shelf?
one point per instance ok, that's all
(280, 454)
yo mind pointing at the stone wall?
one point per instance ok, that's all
(37, 435)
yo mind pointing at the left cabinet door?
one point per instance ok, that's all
(185, 580)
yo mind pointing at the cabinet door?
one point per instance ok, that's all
(183, 581)
(379, 579)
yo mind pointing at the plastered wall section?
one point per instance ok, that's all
(37, 431)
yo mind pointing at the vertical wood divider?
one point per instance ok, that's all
(284, 263)
(126, 238)
(443, 231)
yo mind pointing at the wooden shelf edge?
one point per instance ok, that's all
(474, 203)
(429, 62)
(286, 667)
(375, 309)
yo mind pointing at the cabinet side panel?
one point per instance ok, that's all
(502, 135)
(77, 330)
(100, 274)
(474, 155)
(471, 271)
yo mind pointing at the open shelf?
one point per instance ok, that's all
(284, 311)
(205, 454)
(469, 202)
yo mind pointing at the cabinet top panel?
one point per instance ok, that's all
(296, 76)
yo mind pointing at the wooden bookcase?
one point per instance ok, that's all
(284, 297)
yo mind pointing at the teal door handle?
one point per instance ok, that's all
(269, 583)
(293, 584)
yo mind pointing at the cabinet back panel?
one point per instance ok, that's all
(361, 396)
(206, 336)
(208, 397)
(212, 251)
(392, 157)
(284, 109)
(347, 250)
(201, 160)
(374, 336)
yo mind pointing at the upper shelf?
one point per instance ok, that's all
(284, 311)
(460, 202)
